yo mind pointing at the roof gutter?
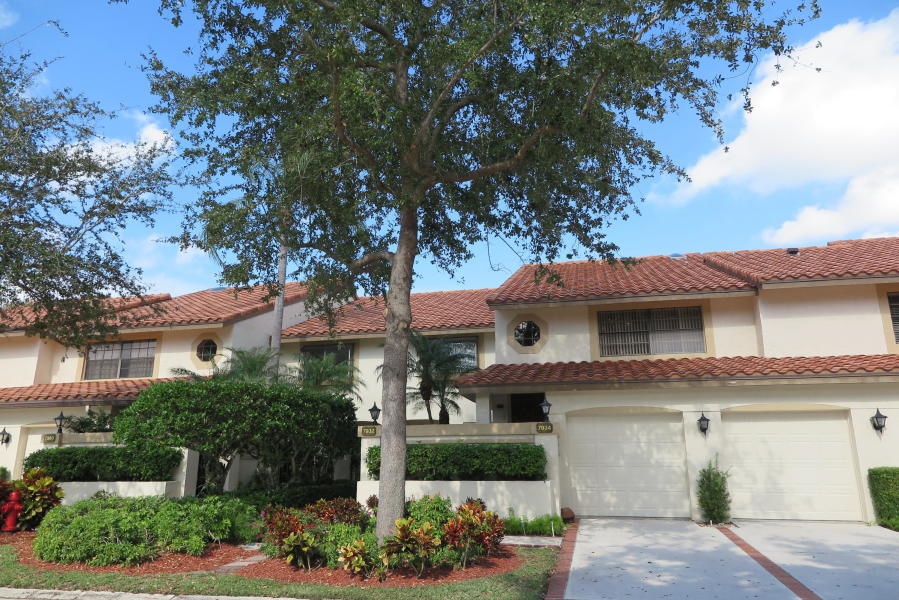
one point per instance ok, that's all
(68, 402)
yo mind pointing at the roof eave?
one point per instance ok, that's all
(723, 293)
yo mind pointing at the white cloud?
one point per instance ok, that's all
(813, 127)
(8, 17)
(189, 255)
(149, 133)
(870, 204)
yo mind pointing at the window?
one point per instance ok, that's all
(894, 314)
(527, 333)
(206, 350)
(118, 360)
(344, 352)
(467, 348)
(652, 331)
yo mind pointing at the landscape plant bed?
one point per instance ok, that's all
(528, 582)
(504, 561)
(216, 556)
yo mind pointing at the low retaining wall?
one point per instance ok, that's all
(81, 490)
(526, 498)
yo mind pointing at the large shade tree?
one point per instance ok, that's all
(436, 124)
(66, 195)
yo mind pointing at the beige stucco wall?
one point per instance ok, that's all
(566, 335)
(821, 321)
(733, 326)
(18, 361)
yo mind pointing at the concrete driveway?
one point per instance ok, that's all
(652, 559)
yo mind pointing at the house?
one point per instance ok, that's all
(462, 317)
(788, 353)
(774, 362)
(40, 378)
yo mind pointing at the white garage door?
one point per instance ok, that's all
(628, 465)
(790, 466)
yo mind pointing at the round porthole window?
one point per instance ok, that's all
(206, 350)
(526, 333)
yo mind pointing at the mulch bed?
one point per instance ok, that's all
(502, 562)
(215, 556)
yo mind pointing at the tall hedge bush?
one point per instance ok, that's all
(107, 463)
(468, 462)
(884, 484)
(295, 495)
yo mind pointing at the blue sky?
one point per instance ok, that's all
(817, 160)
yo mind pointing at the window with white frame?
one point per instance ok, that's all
(120, 360)
(651, 331)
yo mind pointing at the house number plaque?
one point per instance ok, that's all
(368, 431)
(48, 438)
(544, 427)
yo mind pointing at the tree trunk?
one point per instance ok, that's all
(425, 392)
(444, 415)
(278, 316)
(392, 485)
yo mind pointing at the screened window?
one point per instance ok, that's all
(466, 348)
(652, 331)
(206, 350)
(894, 315)
(118, 360)
(526, 333)
(344, 352)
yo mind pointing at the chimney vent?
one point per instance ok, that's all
(793, 251)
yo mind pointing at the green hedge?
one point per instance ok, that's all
(111, 530)
(295, 496)
(468, 462)
(107, 463)
(884, 483)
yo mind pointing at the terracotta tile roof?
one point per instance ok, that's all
(220, 305)
(212, 306)
(844, 258)
(674, 369)
(458, 309)
(114, 391)
(20, 316)
(653, 275)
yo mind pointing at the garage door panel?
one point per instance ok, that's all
(790, 466)
(631, 465)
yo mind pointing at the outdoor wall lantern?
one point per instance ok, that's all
(879, 421)
(703, 422)
(59, 421)
(375, 412)
(545, 406)
(5, 437)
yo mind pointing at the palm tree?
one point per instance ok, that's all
(243, 364)
(328, 374)
(434, 362)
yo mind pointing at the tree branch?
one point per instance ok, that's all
(370, 259)
(504, 165)
(372, 26)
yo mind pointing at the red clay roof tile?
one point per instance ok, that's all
(840, 259)
(101, 392)
(459, 309)
(674, 369)
(653, 275)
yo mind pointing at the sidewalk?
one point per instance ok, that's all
(19, 594)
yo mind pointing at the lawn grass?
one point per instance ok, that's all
(528, 582)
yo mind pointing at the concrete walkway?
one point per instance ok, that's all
(651, 559)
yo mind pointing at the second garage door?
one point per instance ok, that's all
(790, 465)
(628, 465)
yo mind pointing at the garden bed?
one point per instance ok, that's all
(504, 561)
(216, 556)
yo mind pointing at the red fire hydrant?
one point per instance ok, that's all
(11, 509)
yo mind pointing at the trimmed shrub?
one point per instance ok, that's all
(111, 530)
(107, 463)
(435, 510)
(468, 462)
(295, 496)
(714, 499)
(884, 484)
(341, 535)
(93, 422)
